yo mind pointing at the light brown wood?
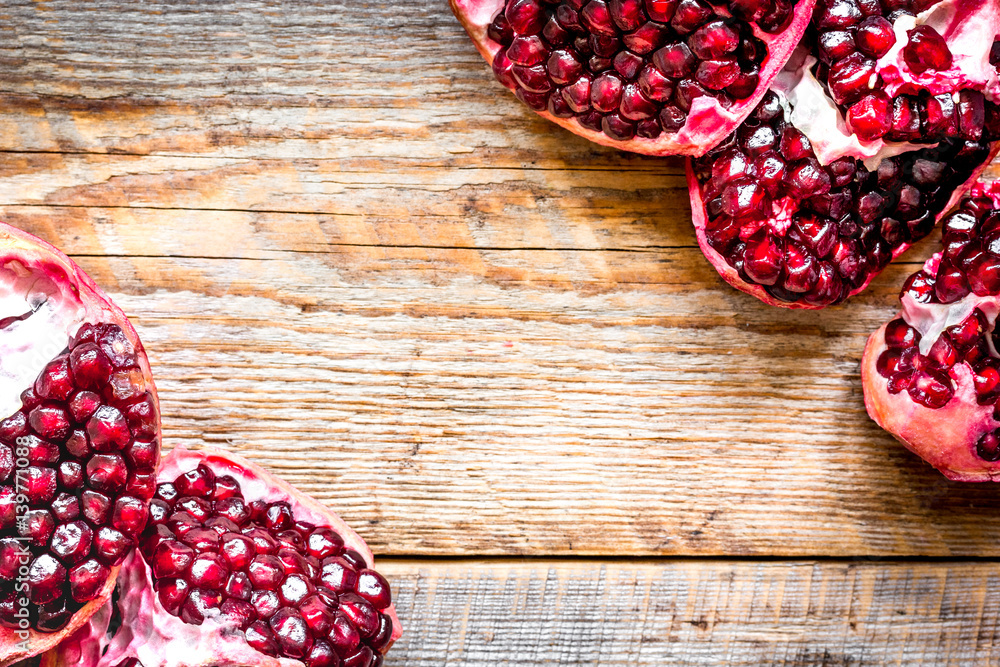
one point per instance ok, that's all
(354, 258)
(725, 614)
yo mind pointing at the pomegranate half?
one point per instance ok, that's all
(931, 376)
(867, 137)
(239, 568)
(79, 445)
(660, 77)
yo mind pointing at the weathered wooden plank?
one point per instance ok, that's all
(464, 401)
(793, 614)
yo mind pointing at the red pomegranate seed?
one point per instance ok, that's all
(926, 50)
(875, 36)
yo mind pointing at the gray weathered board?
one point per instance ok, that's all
(494, 348)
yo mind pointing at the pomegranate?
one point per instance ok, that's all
(659, 77)
(238, 568)
(866, 138)
(79, 445)
(932, 375)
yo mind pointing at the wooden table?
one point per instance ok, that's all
(493, 348)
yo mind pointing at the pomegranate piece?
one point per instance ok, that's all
(311, 599)
(932, 375)
(660, 77)
(803, 210)
(64, 445)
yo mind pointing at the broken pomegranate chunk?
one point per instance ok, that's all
(79, 445)
(236, 567)
(932, 375)
(658, 77)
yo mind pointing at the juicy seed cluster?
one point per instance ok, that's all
(813, 233)
(77, 470)
(970, 263)
(632, 67)
(290, 587)
(851, 35)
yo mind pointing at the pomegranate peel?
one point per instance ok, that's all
(152, 636)
(83, 416)
(655, 119)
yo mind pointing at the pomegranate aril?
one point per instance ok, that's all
(266, 572)
(209, 571)
(875, 36)
(46, 579)
(926, 49)
(871, 116)
(86, 580)
(322, 655)
(835, 45)
(362, 658)
(260, 638)
(111, 545)
(237, 613)
(988, 447)
(361, 613)
(37, 526)
(199, 605)
(851, 77)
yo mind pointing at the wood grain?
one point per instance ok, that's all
(355, 259)
(726, 614)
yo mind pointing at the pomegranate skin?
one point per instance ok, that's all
(947, 437)
(154, 637)
(705, 125)
(29, 263)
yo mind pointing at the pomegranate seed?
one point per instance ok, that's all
(875, 36)
(931, 388)
(714, 40)
(86, 580)
(111, 546)
(108, 429)
(71, 541)
(46, 579)
(199, 605)
(871, 116)
(265, 602)
(36, 525)
(209, 571)
(988, 447)
(338, 574)
(239, 586)
(238, 613)
(837, 14)
(851, 78)
(172, 594)
(926, 50)
(373, 587)
(261, 639)
(294, 589)
(171, 559)
(675, 60)
(266, 572)
(361, 613)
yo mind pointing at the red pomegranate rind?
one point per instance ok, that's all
(641, 108)
(154, 637)
(48, 305)
(931, 376)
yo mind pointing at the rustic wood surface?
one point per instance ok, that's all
(354, 258)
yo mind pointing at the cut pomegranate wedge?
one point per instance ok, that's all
(932, 375)
(839, 170)
(660, 77)
(78, 448)
(239, 568)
